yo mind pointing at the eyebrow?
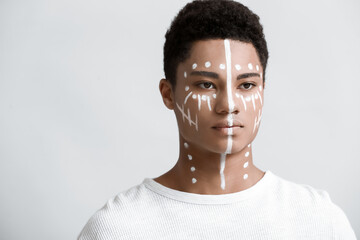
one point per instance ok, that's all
(216, 76)
(247, 75)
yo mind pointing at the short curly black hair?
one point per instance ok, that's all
(211, 19)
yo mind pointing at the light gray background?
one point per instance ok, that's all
(81, 118)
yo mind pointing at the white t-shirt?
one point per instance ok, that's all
(273, 208)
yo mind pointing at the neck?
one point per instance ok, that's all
(203, 172)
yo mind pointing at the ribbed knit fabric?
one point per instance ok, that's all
(273, 208)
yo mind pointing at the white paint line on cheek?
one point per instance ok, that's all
(250, 66)
(246, 176)
(208, 102)
(248, 99)
(199, 101)
(222, 66)
(257, 120)
(222, 167)
(214, 95)
(238, 67)
(194, 66)
(194, 180)
(192, 169)
(187, 97)
(203, 97)
(207, 64)
(253, 101)
(260, 97)
(246, 164)
(256, 96)
(186, 145)
(189, 157)
(185, 75)
(243, 100)
(237, 95)
(187, 88)
(188, 117)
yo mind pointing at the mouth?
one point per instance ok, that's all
(225, 125)
(224, 128)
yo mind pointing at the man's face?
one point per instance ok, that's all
(219, 95)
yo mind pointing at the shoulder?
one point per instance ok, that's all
(118, 215)
(307, 201)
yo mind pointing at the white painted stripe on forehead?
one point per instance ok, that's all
(228, 74)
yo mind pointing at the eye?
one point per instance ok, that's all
(247, 86)
(206, 85)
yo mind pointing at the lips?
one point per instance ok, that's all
(225, 124)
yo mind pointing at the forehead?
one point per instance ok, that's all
(214, 50)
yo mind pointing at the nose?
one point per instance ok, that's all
(225, 103)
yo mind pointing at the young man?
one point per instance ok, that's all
(215, 57)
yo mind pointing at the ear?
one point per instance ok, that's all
(167, 93)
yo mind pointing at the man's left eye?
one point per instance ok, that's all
(206, 85)
(247, 86)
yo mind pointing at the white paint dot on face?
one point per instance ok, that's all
(238, 67)
(246, 164)
(207, 64)
(194, 96)
(245, 176)
(194, 66)
(247, 154)
(256, 96)
(249, 145)
(257, 68)
(203, 97)
(192, 169)
(250, 66)
(186, 88)
(237, 95)
(222, 66)
(193, 180)
(214, 95)
(186, 145)
(185, 75)
(248, 99)
(189, 157)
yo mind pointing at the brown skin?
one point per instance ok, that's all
(208, 142)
